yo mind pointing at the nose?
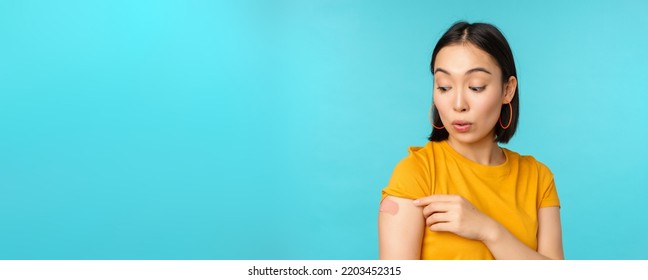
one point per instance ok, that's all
(459, 103)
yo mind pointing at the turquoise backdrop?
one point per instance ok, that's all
(266, 129)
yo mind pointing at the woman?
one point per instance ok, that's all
(462, 196)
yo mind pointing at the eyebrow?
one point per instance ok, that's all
(478, 69)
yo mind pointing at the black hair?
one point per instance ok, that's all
(489, 39)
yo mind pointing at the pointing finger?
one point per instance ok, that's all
(423, 201)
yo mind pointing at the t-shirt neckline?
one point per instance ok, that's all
(487, 170)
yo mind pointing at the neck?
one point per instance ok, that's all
(485, 151)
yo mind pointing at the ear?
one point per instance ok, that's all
(509, 90)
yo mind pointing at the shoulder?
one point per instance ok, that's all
(421, 155)
(418, 161)
(411, 176)
(529, 162)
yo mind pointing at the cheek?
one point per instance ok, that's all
(442, 104)
(489, 109)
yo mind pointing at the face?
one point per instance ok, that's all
(469, 92)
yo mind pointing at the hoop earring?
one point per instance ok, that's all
(510, 117)
(432, 121)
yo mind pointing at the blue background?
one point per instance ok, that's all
(266, 129)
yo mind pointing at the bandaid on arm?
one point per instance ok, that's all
(400, 229)
(388, 206)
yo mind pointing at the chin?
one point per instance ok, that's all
(469, 138)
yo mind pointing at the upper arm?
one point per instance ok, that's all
(550, 233)
(400, 232)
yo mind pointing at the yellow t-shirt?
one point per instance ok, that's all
(510, 193)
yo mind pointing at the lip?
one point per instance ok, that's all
(461, 126)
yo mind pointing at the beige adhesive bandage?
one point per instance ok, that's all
(389, 206)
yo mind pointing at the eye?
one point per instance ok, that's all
(443, 89)
(477, 89)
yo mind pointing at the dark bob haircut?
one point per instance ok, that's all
(489, 39)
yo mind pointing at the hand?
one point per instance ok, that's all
(453, 213)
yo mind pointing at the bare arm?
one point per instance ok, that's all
(503, 245)
(400, 229)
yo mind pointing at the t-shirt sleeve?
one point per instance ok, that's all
(410, 178)
(548, 195)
